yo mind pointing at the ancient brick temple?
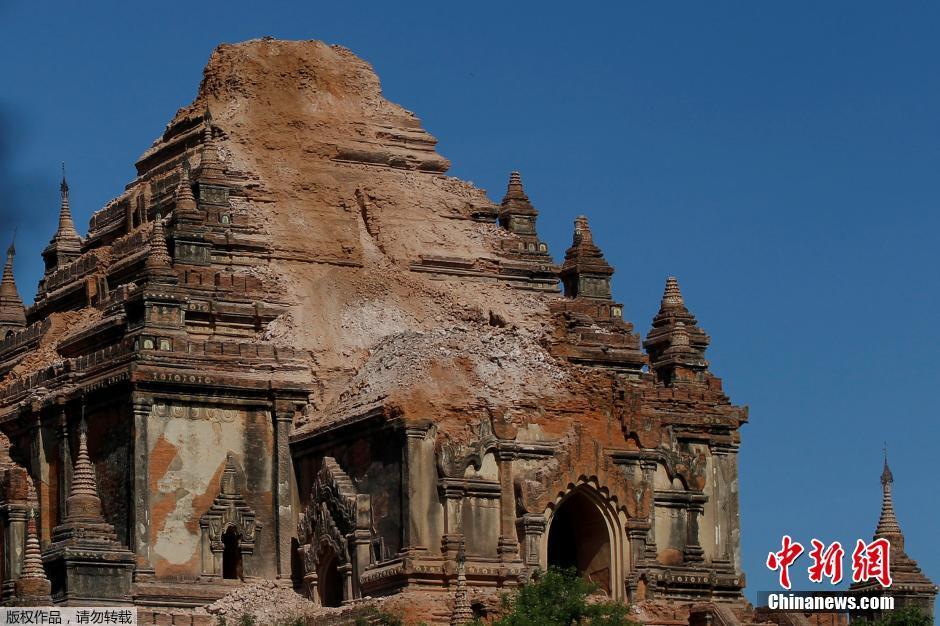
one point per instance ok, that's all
(293, 348)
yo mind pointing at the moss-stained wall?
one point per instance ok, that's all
(188, 445)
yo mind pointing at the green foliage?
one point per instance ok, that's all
(907, 616)
(246, 620)
(388, 619)
(560, 598)
(382, 618)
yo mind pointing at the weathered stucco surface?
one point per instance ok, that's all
(189, 445)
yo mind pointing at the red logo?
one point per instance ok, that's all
(872, 561)
(827, 562)
(784, 559)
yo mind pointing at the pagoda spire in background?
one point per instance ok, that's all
(910, 587)
(888, 526)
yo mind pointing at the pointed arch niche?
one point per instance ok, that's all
(228, 529)
(585, 530)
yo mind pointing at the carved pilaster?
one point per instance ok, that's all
(649, 549)
(638, 543)
(418, 467)
(14, 541)
(508, 546)
(726, 503)
(283, 416)
(693, 550)
(453, 537)
(140, 509)
(346, 572)
(531, 526)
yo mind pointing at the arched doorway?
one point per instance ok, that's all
(329, 580)
(579, 537)
(231, 553)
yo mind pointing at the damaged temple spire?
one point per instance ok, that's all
(66, 244)
(12, 312)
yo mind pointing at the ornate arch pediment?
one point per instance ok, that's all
(453, 458)
(573, 463)
(337, 519)
(682, 462)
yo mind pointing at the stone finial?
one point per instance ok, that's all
(8, 283)
(209, 166)
(159, 263)
(463, 613)
(66, 244)
(888, 525)
(185, 200)
(83, 503)
(32, 561)
(515, 191)
(675, 342)
(159, 256)
(32, 588)
(12, 311)
(582, 231)
(66, 225)
(672, 296)
(518, 216)
(585, 272)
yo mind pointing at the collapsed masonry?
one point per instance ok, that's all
(301, 352)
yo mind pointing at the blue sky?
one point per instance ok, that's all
(779, 158)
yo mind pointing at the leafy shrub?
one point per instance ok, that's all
(559, 597)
